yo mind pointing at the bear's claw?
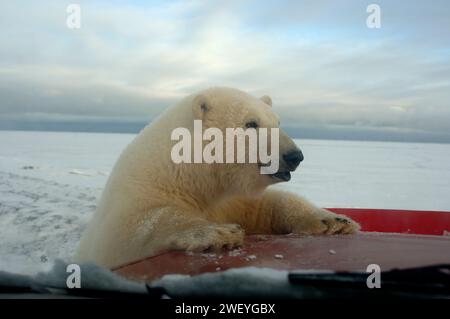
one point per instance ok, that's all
(325, 223)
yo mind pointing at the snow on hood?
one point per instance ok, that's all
(92, 277)
(233, 283)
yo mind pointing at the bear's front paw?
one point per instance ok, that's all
(209, 238)
(326, 223)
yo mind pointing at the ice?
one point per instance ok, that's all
(44, 206)
(359, 174)
(50, 183)
(78, 172)
(235, 252)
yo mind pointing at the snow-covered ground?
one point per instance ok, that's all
(50, 182)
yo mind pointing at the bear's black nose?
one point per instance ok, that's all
(293, 158)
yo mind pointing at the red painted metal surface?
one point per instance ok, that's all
(399, 221)
(391, 239)
(353, 252)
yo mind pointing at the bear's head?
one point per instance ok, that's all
(225, 110)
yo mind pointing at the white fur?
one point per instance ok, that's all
(151, 205)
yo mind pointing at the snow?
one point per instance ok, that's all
(93, 277)
(235, 252)
(231, 283)
(374, 174)
(50, 183)
(235, 283)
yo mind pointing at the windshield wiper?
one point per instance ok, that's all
(422, 282)
(426, 281)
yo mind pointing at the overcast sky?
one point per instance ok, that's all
(328, 74)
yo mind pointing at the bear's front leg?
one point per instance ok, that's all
(208, 237)
(189, 231)
(293, 214)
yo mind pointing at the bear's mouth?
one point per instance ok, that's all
(283, 176)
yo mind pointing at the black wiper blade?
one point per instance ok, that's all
(425, 280)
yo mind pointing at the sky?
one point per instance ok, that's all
(329, 75)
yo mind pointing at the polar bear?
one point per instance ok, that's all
(152, 205)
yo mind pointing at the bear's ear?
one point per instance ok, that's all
(266, 99)
(200, 106)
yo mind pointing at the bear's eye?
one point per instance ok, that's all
(251, 124)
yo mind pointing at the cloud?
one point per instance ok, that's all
(317, 59)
